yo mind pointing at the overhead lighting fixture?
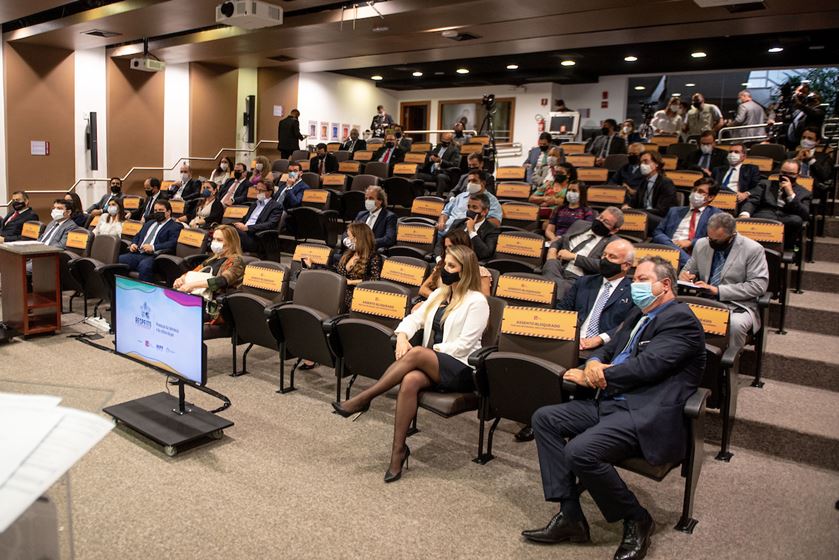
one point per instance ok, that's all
(640, 88)
(380, 29)
(568, 63)
(744, 84)
(376, 78)
(417, 74)
(698, 54)
(438, 73)
(512, 67)
(462, 70)
(675, 95)
(774, 50)
(689, 84)
(630, 58)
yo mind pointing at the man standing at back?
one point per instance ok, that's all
(288, 134)
(749, 112)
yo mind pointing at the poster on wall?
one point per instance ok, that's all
(334, 129)
(345, 131)
(324, 131)
(313, 129)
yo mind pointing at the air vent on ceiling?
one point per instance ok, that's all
(282, 58)
(101, 33)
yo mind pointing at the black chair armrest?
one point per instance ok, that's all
(730, 356)
(191, 261)
(763, 301)
(266, 233)
(164, 252)
(788, 257)
(476, 358)
(695, 405)
(270, 309)
(114, 268)
(569, 387)
(330, 322)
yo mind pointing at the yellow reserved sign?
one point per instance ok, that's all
(527, 289)
(131, 227)
(334, 180)
(513, 211)
(423, 235)
(425, 207)
(806, 182)
(573, 147)
(236, 212)
(191, 237)
(415, 157)
(363, 155)
(405, 169)
(539, 323)
(77, 240)
(511, 244)
(670, 162)
(580, 160)
(714, 320)
(403, 273)
(593, 174)
(670, 255)
(471, 148)
(664, 140)
(421, 147)
(262, 278)
(634, 221)
(382, 304)
(252, 192)
(684, 178)
(349, 166)
(94, 221)
(30, 230)
(316, 196)
(177, 206)
(608, 195)
(725, 200)
(513, 173)
(512, 190)
(318, 254)
(650, 147)
(761, 231)
(304, 165)
(131, 202)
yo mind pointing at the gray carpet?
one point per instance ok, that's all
(292, 480)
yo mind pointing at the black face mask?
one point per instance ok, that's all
(599, 228)
(609, 269)
(697, 104)
(605, 131)
(633, 159)
(389, 145)
(718, 245)
(543, 148)
(472, 215)
(449, 278)
(560, 177)
(159, 216)
(398, 134)
(148, 192)
(790, 177)
(18, 205)
(115, 190)
(237, 175)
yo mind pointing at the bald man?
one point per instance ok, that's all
(444, 156)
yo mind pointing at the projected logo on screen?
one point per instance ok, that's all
(144, 318)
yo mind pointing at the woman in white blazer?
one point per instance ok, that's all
(453, 320)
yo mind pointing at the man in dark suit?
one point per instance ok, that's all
(376, 215)
(389, 153)
(656, 194)
(354, 143)
(159, 234)
(629, 175)
(187, 189)
(381, 122)
(685, 225)
(288, 134)
(578, 252)
(235, 189)
(444, 157)
(607, 143)
(263, 215)
(290, 196)
(643, 378)
(741, 178)
(482, 232)
(12, 224)
(151, 187)
(323, 162)
(707, 156)
(817, 165)
(783, 200)
(114, 193)
(538, 154)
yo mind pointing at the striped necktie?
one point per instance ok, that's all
(594, 320)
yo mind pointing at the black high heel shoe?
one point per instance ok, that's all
(336, 406)
(393, 477)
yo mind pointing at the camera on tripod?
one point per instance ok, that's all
(488, 102)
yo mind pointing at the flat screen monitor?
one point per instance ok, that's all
(160, 327)
(565, 123)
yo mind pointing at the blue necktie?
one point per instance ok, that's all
(704, 160)
(727, 177)
(594, 320)
(716, 267)
(633, 339)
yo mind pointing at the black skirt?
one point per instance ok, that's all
(455, 376)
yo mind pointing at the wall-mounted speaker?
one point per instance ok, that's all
(250, 117)
(93, 141)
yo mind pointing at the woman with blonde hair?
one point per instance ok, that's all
(453, 320)
(261, 170)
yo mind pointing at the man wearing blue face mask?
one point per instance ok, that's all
(643, 378)
(264, 215)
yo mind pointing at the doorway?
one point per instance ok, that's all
(414, 115)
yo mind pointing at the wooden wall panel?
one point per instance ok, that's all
(212, 112)
(274, 87)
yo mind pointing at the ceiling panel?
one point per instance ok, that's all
(14, 9)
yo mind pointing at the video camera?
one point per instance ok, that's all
(488, 102)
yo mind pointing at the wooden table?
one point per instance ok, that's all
(34, 309)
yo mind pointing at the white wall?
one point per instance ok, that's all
(90, 95)
(333, 98)
(175, 118)
(247, 85)
(4, 195)
(590, 96)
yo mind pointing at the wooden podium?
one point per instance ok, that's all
(35, 311)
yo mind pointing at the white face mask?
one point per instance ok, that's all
(697, 200)
(573, 197)
(675, 108)
(473, 188)
(733, 158)
(57, 214)
(260, 197)
(370, 205)
(259, 167)
(112, 210)
(706, 149)
(216, 246)
(184, 177)
(646, 168)
(349, 243)
(808, 144)
(224, 166)
(552, 161)
(626, 130)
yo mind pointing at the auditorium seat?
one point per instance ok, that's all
(314, 224)
(361, 182)
(300, 156)
(103, 251)
(400, 194)
(776, 152)
(78, 245)
(518, 252)
(377, 169)
(190, 251)
(409, 272)
(279, 166)
(311, 178)
(520, 215)
(613, 162)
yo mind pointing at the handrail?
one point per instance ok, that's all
(745, 138)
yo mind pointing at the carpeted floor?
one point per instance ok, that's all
(292, 480)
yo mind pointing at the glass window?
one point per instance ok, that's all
(473, 110)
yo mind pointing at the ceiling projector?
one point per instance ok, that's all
(249, 14)
(147, 64)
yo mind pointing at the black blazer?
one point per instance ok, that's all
(664, 196)
(269, 218)
(288, 134)
(451, 157)
(749, 176)
(348, 146)
(617, 146)
(629, 174)
(148, 204)
(10, 229)
(384, 228)
(663, 371)
(821, 170)
(582, 296)
(331, 164)
(591, 263)
(719, 158)
(240, 195)
(767, 199)
(192, 190)
(398, 156)
(216, 214)
(483, 244)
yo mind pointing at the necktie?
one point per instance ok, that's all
(704, 161)
(805, 169)
(48, 233)
(352, 145)
(149, 206)
(583, 242)
(322, 165)
(12, 218)
(371, 219)
(149, 240)
(594, 320)
(228, 196)
(727, 177)
(387, 156)
(716, 268)
(648, 195)
(692, 228)
(633, 339)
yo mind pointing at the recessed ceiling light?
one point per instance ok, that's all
(774, 50)
(568, 63)
(417, 74)
(630, 58)
(640, 88)
(689, 84)
(376, 77)
(698, 54)
(675, 95)
(462, 70)
(438, 73)
(512, 67)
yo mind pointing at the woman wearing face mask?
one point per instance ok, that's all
(453, 320)
(110, 222)
(460, 238)
(668, 120)
(628, 132)
(209, 209)
(261, 170)
(77, 215)
(222, 173)
(551, 192)
(572, 209)
(360, 262)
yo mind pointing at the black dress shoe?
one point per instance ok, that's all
(560, 529)
(525, 434)
(637, 535)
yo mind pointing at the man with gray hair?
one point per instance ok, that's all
(732, 269)
(749, 112)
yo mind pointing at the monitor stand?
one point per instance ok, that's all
(170, 421)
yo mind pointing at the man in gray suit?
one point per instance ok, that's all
(748, 112)
(578, 251)
(55, 234)
(732, 269)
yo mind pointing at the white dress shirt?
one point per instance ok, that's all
(583, 251)
(371, 219)
(733, 183)
(613, 286)
(682, 232)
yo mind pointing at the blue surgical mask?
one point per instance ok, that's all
(642, 294)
